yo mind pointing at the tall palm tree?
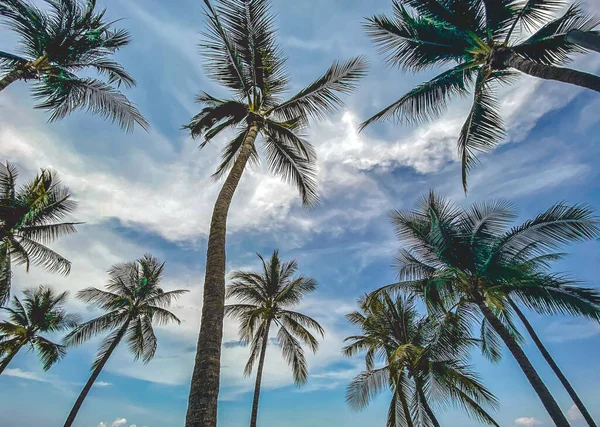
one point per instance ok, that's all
(482, 42)
(133, 301)
(30, 218)
(424, 361)
(263, 299)
(55, 45)
(242, 54)
(468, 258)
(41, 312)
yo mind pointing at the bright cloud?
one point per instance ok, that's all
(527, 422)
(573, 414)
(119, 422)
(18, 373)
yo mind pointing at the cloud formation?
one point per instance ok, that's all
(527, 422)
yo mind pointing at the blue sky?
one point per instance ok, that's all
(151, 192)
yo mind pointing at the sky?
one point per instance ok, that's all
(152, 193)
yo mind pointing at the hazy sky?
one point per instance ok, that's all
(152, 192)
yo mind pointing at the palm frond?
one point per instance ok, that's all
(63, 94)
(49, 352)
(367, 385)
(415, 43)
(533, 13)
(49, 232)
(44, 257)
(293, 355)
(428, 100)
(231, 152)
(549, 45)
(483, 129)
(141, 339)
(321, 97)
(87, 330)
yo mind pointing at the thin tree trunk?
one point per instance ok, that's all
(9, 78)
(204, 388)
(587, 40)
(92, 379)
(548, 72)
(534, 379)
(10, 356)
(426, 406)
(584, 412)
(259, 371)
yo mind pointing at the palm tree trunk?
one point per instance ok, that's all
(92, 379)
(587, 40)
(534, 379)
(204, 388)
(548, 72)
(259, 371)
(426, 406)
(9, 78)
(10, 356)
(584, 412)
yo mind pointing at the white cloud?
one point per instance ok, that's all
(18, 373)
(527, 422)
(102, 384)
(119, 422)
(571, 329)
(573, 414)
(132, 425)
(101, 424)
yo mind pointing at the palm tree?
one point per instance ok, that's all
(468, 258)
(55, 45)
(30, 218)
(266, 298)
(481, 41)
(424, 360)
(41, 312)
(242, 54)
(133, 301)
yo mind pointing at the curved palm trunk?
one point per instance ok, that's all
(534, 379)
(9, 78)
(10, 356)
(92, 379)
(548, 72)
(204, 388)
(584, 412)
(426, 406)
(259, 371)
(587, 40)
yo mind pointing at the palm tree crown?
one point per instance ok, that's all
(242, 54)
(55, 45)
(424, 362)
(481, 40)
(268, 297)
(133, 298)
(30, 218)
(468, 260)
(41, 312)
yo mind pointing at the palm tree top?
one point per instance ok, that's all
(456, 257)
(271, 296)
(41, 311)
(133, 296)
(57, 43)
(476, 38)
(241, 53)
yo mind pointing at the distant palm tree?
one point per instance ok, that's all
(57, 44)
(242, 54)
(467, 258)
(480, 38)
(30, 219)
(424, 361)
(266, 298)
(133, 301)
(41, 312)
